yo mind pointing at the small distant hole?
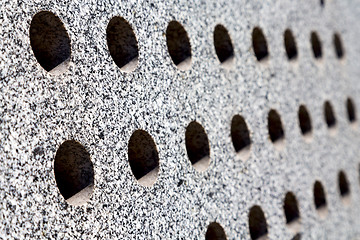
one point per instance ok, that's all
(223, 44)
(240, 134)
(215, 232)
(343, 184)
(74, 172)
(275, 127)
(320, 198)
(351, 110)
(291, 210)
(304, 120)
(143, 157)
(257, 223)
(322, 3)
(259, 44)
(316, 45)
(50, 42)
(197, 146)
(178, 45)
(329, 115)
(290, 45)
(339, 50)
(122, 44)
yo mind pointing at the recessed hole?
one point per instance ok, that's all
(240, 134)
(257, 223)
(316, 45)
(304, 121)
(197, 146)
(322, 3)
(74, 172)
(275, 127)
(320, 199)
(329, 115)
(50, 42)
(339, 50)
(343, 184)
(291, 210)
(215, 232)
(122, 44)
(143, 157)
(259, 44)
(223, 44)
(290, 45)
(350, 107)
(178, 44)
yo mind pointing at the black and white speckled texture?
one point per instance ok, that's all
(97, 104)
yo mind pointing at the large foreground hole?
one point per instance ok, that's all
(339, 50)
(344, 187)
(122, 44)
(259, 44)
(290, 45)
(304, 121)
(178, 44)
(143, 157)
(215, 232)
(50, 42)
(316, 45)
(257, 223)
(197, 146)
(74, 173)
(223, 44)
(291, 210)
(240, 135)
(320, 198)
(350, 107)
(275, 127)
(329, 115)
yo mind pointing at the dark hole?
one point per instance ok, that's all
(49, 40)
(339, 50)
(73, 168)
(291, 208)
(142, 153)
(239, 133)
(223, 44)
(343, 184)
(304, 120)
(322, 3)
(316, 45)
(275, 128)
(259, 44)
(122, 43)
(257, 223)
(290, 45)
(329, 115)
(350, 110)
(215, 232)
(319, 195)
(197, 143)
(178, 45)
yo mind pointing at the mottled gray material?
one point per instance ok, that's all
(100, 106)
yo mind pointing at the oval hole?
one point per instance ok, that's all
(316, 45)
(290, 45)
(240, 136)
(259, 44)
(257, 223)
(223, 45)
(339, 50)
(215, 232)
(320, 199)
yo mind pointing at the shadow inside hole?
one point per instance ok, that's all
(292, 213)
(223, 44)
(259, 44)
(304, 121)
(344, 187)
(275, 128)
(320, 199)
(350, 107)
(329, 115)
(290, 45)
(240, 136)
(339, 50)
(257, 223)
(50, 42)
(215, 232)
(316, 45)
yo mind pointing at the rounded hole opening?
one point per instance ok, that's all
(257, 223)
(240, 136)
(215, 232)
(292, 213)
(143, 158)
(304, 121)
(259, 44)
(329, 115)
(223, 45)
(50, 42)
(344, 187)
(320, 199)
(74, 172)
(197, 146)
(290, 45)
(316, 45)
(275, 127)
(122, 44)
(178, 44)
(339, 50)
(350, 107)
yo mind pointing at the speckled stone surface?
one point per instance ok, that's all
(100, 106)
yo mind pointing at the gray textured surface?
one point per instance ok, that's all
(97, 104)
